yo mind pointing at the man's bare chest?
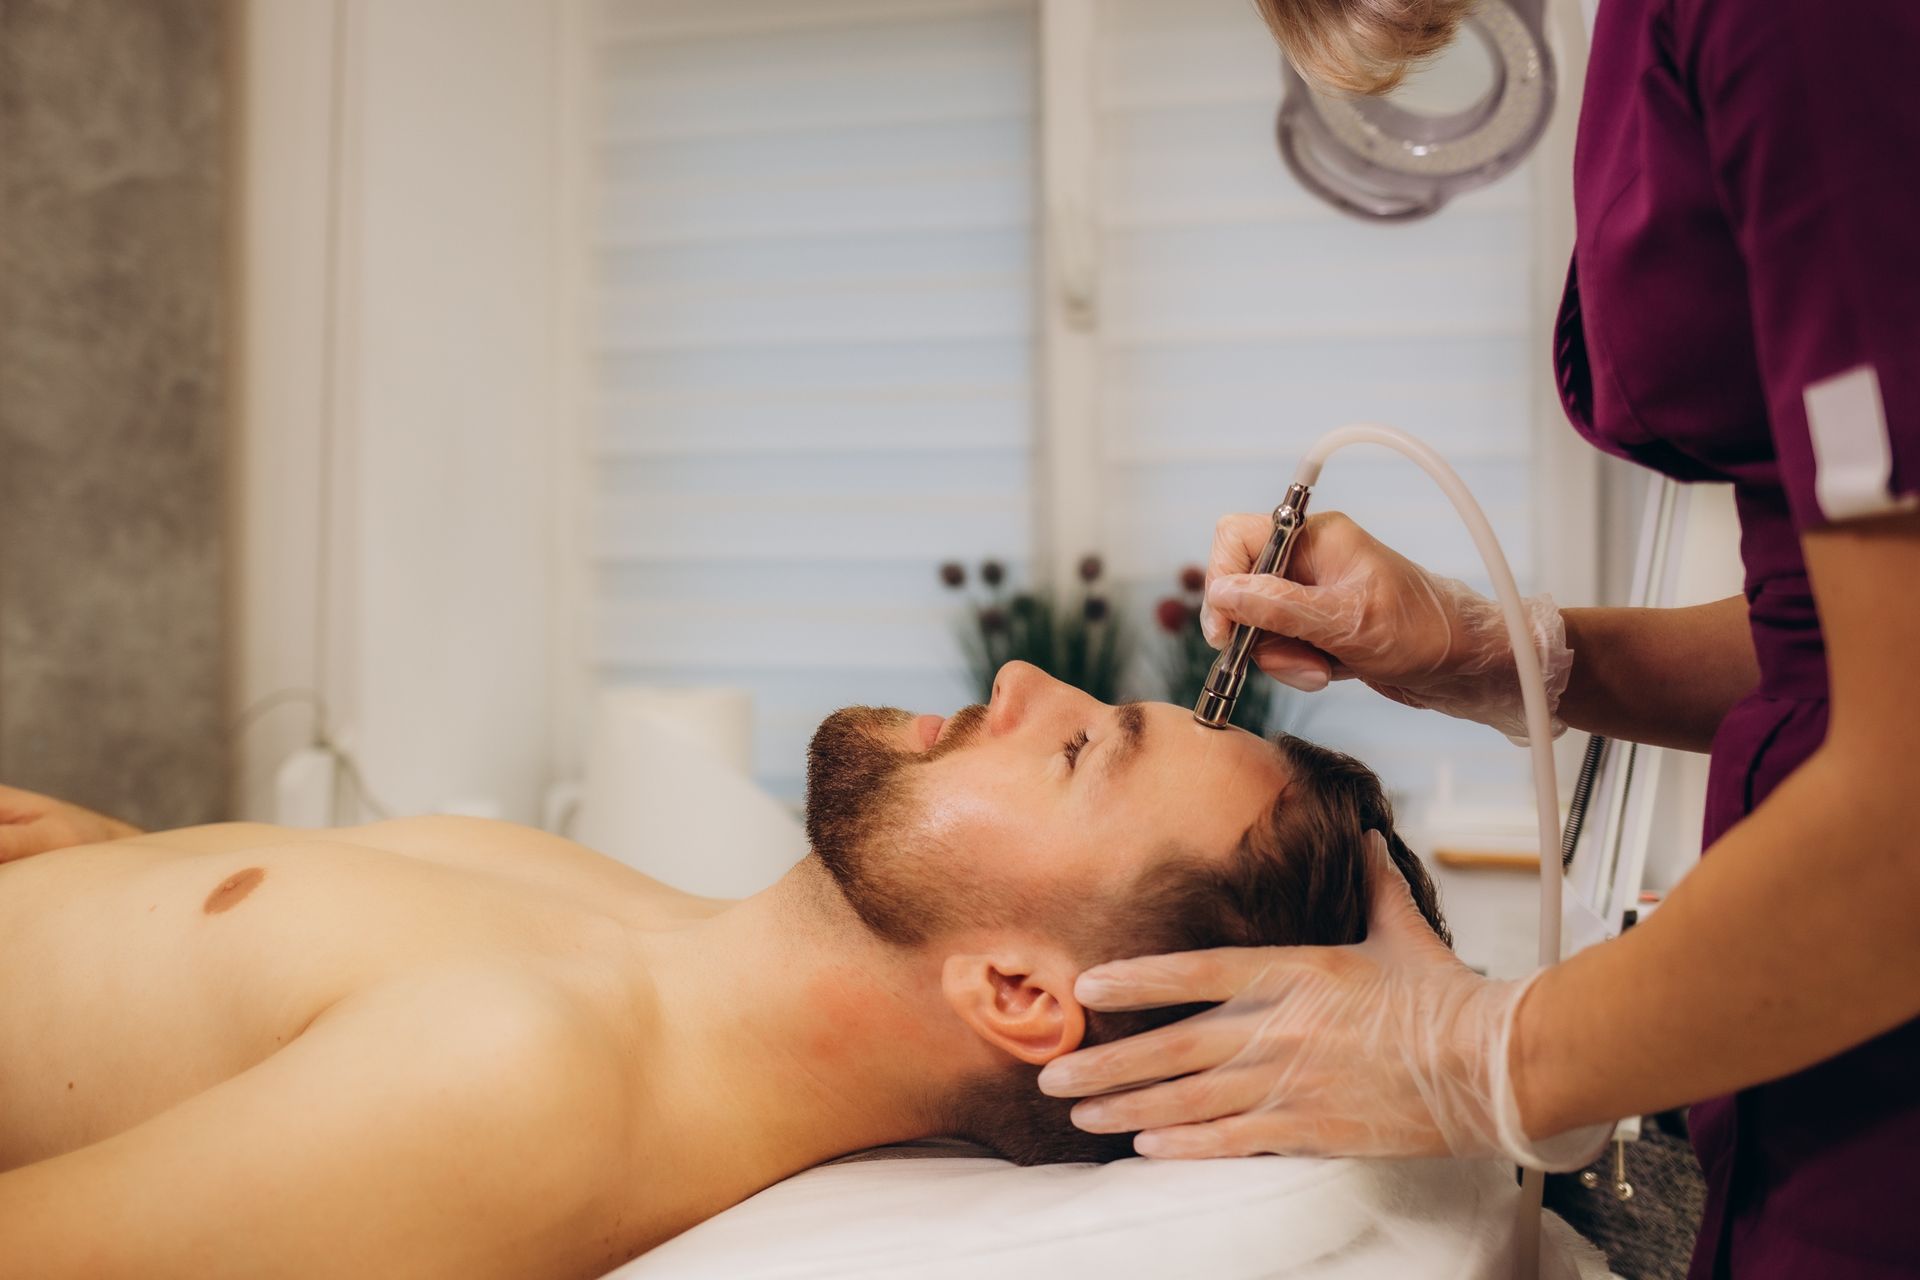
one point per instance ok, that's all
(132, 978)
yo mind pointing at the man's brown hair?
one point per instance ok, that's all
(1297, 879)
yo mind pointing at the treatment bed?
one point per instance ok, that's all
(940, 1211)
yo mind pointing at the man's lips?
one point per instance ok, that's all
(928, 727)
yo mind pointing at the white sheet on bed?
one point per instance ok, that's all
(940, 1216)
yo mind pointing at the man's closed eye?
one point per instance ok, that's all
(1074, 746)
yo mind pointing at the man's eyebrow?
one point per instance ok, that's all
(1130, 718)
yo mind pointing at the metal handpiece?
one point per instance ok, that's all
(1229, 672)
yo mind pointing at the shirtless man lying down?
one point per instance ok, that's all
(448, 1047)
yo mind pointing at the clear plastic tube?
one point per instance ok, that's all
(1533, 695)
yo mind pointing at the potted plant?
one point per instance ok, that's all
(1079, 639)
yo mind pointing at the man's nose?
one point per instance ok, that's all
(1017, 688)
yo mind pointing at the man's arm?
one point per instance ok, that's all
(456, 1128)
(1660, 676)
(31, 823)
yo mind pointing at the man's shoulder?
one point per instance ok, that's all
(526, 1055)
(495, 1011)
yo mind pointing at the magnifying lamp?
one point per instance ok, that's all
(1459, 123)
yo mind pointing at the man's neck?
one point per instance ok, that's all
(796, 1035)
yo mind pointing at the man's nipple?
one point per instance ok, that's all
(231, 891)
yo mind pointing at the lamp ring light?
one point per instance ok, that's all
(1379, 161)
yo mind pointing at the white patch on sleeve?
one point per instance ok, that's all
(1852, 450)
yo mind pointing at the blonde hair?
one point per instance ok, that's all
(1361, 46)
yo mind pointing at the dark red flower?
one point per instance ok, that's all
(954, 574)
(1096, 609)
(992, 572)
(1193, 578)
(1172, 615)
(1091, 568)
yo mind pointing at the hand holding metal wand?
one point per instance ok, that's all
(1229, 672)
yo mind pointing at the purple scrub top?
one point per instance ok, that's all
(1744, 306)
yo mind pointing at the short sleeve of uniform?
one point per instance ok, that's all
(1811, 111)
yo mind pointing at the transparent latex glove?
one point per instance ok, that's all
(1352, 607)
(1390, 1047)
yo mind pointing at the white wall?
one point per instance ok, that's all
(395, 560)
(281, 379)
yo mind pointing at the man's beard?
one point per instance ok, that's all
(862, 811)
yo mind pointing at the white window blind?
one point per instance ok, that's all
(1241, 319)
(816, 345)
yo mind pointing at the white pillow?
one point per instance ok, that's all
(938, 1215)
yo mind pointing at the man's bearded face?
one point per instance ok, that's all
(1026, 813)
(863, 814)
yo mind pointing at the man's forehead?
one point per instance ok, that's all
(1174, 730)
(1210, 785)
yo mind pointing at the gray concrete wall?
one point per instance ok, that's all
(114, 262)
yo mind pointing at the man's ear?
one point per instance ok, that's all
(1018, 1003)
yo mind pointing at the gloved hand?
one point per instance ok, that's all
(31, 823)
(1390, 1047)
(1352, 607)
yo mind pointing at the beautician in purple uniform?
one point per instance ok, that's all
(1744, 305)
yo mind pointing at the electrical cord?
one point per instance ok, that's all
(1582, 797)
(322, 740)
